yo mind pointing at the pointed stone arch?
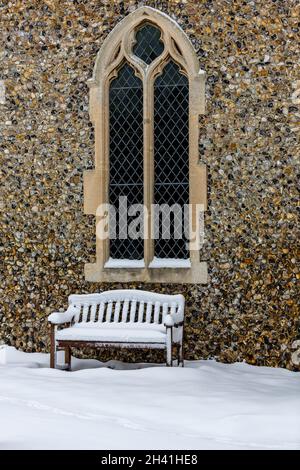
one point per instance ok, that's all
(121, 37)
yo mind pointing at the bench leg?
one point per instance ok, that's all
(180, 355)
(68, 357)
(169, 361)
(52, 347)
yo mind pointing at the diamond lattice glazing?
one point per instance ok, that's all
(171, 154)
(126, 154)
(148, 43)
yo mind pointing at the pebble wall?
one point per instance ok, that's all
(249, 140)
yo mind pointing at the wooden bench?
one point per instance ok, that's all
(119, 318)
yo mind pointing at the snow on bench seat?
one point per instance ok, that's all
(113, 335)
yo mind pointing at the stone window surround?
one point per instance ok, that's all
(116, 48)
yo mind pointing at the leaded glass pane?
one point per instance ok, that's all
(171, 153)
(148, 43)
(126, 154)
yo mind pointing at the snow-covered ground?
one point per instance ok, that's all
(206, 405)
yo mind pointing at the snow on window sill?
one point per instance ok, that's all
(156, 263)
(170, 263)
(124, 263)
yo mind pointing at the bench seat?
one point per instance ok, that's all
(112, 333)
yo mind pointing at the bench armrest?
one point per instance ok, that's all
(169, 321)
(174, 318)
(58, 318)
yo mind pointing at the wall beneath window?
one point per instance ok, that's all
(248, 140)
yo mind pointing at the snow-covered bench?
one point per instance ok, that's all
(119, 318)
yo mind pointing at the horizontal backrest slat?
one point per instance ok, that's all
(122, 295)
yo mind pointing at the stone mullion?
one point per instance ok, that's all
(148, 167)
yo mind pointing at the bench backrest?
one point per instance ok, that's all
(125, 306)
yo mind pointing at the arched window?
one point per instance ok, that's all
(146, 95)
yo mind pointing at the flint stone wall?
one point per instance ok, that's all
(248, 140)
